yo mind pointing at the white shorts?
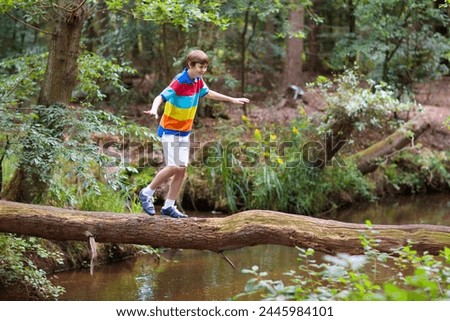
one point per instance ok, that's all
(176, 150)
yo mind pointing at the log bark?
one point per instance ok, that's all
(244, 229)
(366, 160)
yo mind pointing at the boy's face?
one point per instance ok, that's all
(197, 69)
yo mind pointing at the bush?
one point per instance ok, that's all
(18, 267)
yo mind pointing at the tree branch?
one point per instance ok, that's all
(27, 24)
(71, 10)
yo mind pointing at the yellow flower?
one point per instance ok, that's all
(257, 134)
(294, 130)
(280, 161)
(245, 120)
(302, 111)
(273, 137)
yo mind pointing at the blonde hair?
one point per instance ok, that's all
(196, 56)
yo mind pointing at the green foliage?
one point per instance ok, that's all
(403, 275)
(396, 42)
(59, 134)
(176, 12)
(351, 102)
(103, 200)
(19, 80)
(17, 266)
(95, 72)
(268, 170)
(418, 169)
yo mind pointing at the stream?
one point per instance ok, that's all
(193, 275)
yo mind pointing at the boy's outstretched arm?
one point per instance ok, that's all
(217, 96)
(154, 111)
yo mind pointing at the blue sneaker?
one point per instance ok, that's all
(147, 203)
(172, 212)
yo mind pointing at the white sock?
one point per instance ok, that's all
(148, 191)
(169, 203)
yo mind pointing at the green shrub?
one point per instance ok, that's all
(17, 266)
(418, 170)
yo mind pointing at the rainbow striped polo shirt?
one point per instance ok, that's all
(181, 101)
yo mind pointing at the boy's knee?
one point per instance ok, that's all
(181, 170)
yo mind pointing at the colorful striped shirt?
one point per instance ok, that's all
(181, 101)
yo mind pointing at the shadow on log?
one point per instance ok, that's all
(247, 228)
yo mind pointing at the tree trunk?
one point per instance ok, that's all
(243, 62)
(314, 63)
(366, 159)
(292, 71)
(215, 234)
(64, 49)
(59, 82)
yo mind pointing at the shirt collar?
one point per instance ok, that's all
(184, 78)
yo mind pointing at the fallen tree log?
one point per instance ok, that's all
(367, 159)
(247, 228)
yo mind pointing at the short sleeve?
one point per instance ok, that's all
(204, 90)
(168, 94)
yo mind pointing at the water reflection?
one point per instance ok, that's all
(425, 209)
(189, 275)
(202, 275)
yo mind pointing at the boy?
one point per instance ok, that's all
(181, 100)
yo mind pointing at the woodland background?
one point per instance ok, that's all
(76, 76)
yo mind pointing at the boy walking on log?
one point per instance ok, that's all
(181, 99)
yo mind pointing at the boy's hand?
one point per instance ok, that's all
(152, 112)
(240, 101)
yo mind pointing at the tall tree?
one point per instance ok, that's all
(64, 50)
(293, 65)
(66, 20)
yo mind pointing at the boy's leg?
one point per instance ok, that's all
(162, 176)
(176, 157)
(146, 194)
(176, 153)
(175, 184)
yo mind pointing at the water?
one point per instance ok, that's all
(423, 209)
(202, 275)
(189, 275)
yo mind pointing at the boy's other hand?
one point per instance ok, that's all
(152, 113)
(240, 101)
